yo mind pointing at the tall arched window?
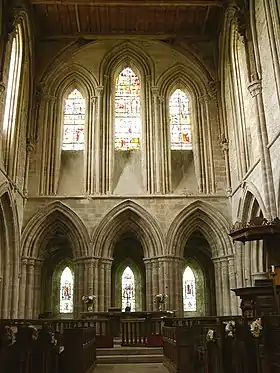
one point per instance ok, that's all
(189, 290)
(74, 121)
(179, 120)
(66, 291)
(127, 111)
(128, 289)
(11, 103)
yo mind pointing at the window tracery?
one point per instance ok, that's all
(189, 290)
(74, 121)
(128, 289)
(180, 121)
(127, 111)
(66, 291)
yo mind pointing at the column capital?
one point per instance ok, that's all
(93, 99)
(224, 143)
(255, 87)
(100, 90)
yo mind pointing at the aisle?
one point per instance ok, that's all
(131, 368)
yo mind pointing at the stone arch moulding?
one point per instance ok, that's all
(250, 192)
(10, 215)
(192, 78)
(41, 224)
(126, 53)
(200, 216)
(61, 75)
(128, 216)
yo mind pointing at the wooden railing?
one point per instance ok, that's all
(104, 336)
(79, 355)
(141, 332)
(212, 345)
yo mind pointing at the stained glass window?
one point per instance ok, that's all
(179, 120)
(13, 82)
(74, 122)
(189, 290)
(127, 111)
(66, 291)
(128, 289)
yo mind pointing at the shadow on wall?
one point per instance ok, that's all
(128, 170)
(71, 176)
(183, 172)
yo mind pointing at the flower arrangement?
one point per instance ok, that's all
(88, 298)
(8, 336)
(230, 328)
(160, 300)
(34, 332)
(256, 327)
(210, 336)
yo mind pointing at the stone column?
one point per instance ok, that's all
(232, 285)
(157, 166)
(218, 285)
(29, 150)
(90, 165)
(95, 283)
(155, 280)
(37, 288)
(149, 286)
(30, 288)
(225, 286)
(107, 283)
(101, 285)
(23, 289)
(79, 287)
(2, 110)
(225, 149)
(98, 154)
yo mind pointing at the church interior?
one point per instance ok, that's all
(139, 175)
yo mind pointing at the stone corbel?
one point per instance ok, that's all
(212, 91)
(100, 90)
(255, 87)
(2, 91)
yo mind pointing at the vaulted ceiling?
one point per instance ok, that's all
(162, 19)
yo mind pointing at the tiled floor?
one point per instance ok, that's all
(130, 368)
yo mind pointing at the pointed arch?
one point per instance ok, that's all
(251, 196)
(128, 216)
(62, 76)
(130, 54)
(55, 217)
(200, 216)
(9, 253)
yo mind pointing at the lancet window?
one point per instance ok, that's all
(12, 94)
(127, 111)
(180, 121)
(74, 121)
(128, 290)
(189, 290)
(66, 291)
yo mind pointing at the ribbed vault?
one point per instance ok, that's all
(199, 216)
(54, 221)
(128, 217)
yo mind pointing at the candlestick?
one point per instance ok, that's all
(272, 269)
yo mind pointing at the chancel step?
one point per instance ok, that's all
(129, 355)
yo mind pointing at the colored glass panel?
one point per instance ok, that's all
(66, 291)
(180, 121)
(128, 289)
(74, 122)
(127, 111)
(189, 290)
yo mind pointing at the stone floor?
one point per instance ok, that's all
(131, 368)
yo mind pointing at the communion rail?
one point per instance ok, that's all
(223, 345)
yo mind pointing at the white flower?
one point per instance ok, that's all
(230, 328)
(256, 328)
(210, 335)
